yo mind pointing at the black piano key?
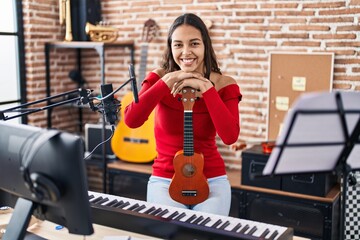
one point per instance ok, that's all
(245, 228)
(156, 211)
(116, 205)
(237, 227)
(174, 214)
(252, 230)
(125, 204)
(111, 203)
(217, 223)
(91, 197)
(227, 223)
(190, 219)
(136, 205)
(103, 201)
(149, 210)
(273, 235)
(139, 208)
(266, 232)
(196, 221)
(96, 200)
(180, 216)
(203, 223)
(165, 211)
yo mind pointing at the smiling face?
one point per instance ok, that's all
(187, 48)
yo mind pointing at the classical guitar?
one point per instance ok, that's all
(188, 185)
(137, 145)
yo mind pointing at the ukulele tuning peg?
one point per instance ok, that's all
(192, 90)
(184, 100)
(184, 91)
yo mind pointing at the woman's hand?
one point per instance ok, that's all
(179, 79)
(172, 78)
(200, 83)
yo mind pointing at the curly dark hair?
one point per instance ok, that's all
(191, 19)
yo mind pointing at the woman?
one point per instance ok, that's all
(189, 61)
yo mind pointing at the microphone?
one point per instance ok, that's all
(133, 83)
(110, 104)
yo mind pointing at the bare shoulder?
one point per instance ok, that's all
(221, 81)
(159, 71)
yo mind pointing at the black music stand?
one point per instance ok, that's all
(320, 134)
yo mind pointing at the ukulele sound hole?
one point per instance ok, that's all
(188, 170)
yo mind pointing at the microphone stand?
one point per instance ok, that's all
(83, 98)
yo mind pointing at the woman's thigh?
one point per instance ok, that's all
(219, 200)
(158, 192)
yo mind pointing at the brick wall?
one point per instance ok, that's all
(243, 32)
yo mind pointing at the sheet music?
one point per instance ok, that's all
(319, 133)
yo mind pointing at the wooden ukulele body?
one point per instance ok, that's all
(189, 185)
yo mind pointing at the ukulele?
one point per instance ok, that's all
(188, 185)
(137, 144)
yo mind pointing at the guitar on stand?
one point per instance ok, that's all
(188, 185)
(137, 145)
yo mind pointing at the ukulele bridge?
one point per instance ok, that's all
(189, 193)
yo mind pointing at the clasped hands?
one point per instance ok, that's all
(179, 79)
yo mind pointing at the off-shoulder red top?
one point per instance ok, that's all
(216, 112)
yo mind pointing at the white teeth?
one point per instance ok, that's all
(187, 60)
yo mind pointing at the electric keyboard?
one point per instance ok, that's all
(176, 223)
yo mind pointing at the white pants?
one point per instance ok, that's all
(218, 202)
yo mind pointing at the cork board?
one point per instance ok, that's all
(292, 74)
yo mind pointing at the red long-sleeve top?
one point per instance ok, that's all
(214, 113)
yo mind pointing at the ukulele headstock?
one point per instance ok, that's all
(188, 97)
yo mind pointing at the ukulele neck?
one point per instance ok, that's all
(188, 133)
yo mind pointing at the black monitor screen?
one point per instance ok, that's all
(46, 170)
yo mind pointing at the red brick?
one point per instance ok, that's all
(309, 28)
(354, 2)
(335, 36)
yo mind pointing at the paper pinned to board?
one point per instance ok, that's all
(282, 103)
(299, 84)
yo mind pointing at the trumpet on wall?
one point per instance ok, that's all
(101, 33)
